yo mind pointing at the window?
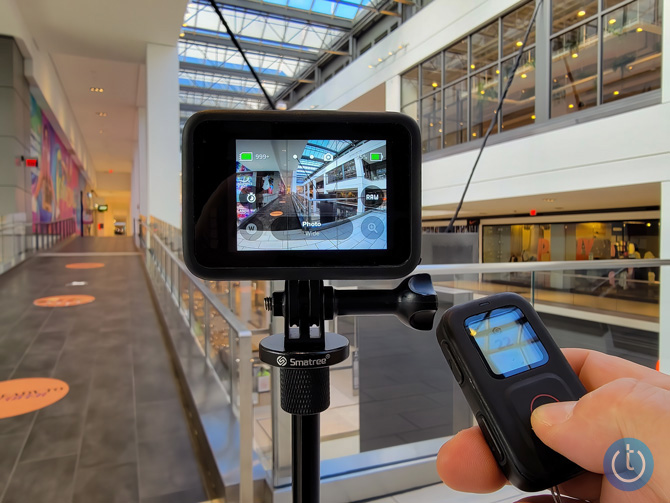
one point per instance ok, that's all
(519, 106)
(456, 114)
(349, 169)
(601, 51)
(574, 70)
(483, 101)
(631, 50)
(456, 61)
(431, 75)
(431, 122)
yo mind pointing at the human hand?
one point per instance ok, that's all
(623, 400)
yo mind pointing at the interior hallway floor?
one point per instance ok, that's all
(120, 434)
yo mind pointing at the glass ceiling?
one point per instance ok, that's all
(319, 153)
(281, 39)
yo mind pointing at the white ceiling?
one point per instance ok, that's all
(631, 196)
(103, 44)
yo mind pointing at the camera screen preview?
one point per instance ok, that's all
(311, 195)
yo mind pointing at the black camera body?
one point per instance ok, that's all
(301, 195)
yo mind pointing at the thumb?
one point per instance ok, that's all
(582, 431)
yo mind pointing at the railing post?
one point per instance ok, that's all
(532, 287)
(246, 411)
(207, 328)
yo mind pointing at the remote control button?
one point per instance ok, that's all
(490, 438)
(529, 394)
(458, 375)
(541, 399)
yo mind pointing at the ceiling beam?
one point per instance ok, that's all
(253, 47)
(221, 92)
(244, 74)
(288, 13)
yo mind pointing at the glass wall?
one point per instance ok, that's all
(601, 51)
(571, 241)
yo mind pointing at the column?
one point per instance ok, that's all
(665, 54)
(139, 193)
(393, 98)
(15, 185)
(162, 134)
(664, 301)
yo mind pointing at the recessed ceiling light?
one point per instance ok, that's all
(369, 66)
(575, 55)
(616, 93)
(474, 134)
(532, 117)
(97, 90)
(181, 34)
(523, 75)
(571, 105)
(519, 43)
(612, 21)
(101, 114)
(472, 66)
(434, 84)
(549, 200)
(639, 30)
(581, 13)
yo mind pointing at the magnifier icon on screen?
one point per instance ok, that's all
(372, 227)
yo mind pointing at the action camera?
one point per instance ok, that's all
(301, 195)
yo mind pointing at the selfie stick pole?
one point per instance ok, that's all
(305, 350)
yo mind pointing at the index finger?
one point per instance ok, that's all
(596, 369)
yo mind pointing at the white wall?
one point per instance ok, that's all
(601, 153)
(162, 134)
(45, 85)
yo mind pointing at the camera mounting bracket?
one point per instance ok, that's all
(305, 350)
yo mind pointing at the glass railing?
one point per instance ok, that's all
(18, 239)
(223, 342)
(394, 401)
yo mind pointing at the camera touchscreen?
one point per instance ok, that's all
(311, 195)
(506, 340)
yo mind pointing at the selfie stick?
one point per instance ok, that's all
(305, 350)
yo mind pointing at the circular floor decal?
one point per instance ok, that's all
(20, 396)
(85, 265)
(64, 300)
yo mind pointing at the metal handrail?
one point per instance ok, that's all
(230, 318)
(506, 267)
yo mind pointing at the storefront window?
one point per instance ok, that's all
(574, 70)
(431, 75)
(514, 26)
(631, 50)
(484, 46)
(483, 101)
(431, 122)
(571, 241)
(456, 114)
(566, 13)
(519, 106)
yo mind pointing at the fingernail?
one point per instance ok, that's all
(552, 414)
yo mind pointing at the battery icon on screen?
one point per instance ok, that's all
(375, 156)
(246, 156)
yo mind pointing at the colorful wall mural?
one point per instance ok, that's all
(56, 182)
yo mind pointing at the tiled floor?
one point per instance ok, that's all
(120, 434)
